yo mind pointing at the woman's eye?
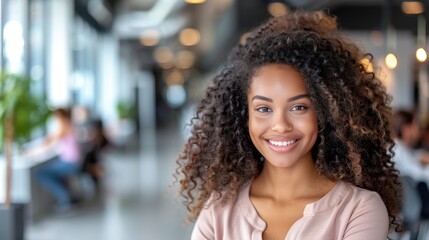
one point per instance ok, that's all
(299, 108)
(263, 109)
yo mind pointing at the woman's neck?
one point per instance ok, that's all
(284, 184)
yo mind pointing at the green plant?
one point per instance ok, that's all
(21, 112)
(125, 109)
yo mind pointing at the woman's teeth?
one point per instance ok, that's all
(280, 143)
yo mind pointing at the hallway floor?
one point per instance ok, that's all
(137, 202)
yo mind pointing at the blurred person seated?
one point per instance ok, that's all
(411, 162)
(92, 163)
(92, 140)
(67, 163)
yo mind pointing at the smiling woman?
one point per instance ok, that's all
(279, 145)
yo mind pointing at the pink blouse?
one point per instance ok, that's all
(68, 149)
(346, 212)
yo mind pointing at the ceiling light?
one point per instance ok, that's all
(189, 37)
(421, 55)
(412, 7)
(163, 55)
(277, 9)
(391, 61)
(185, 59)
(195, 1)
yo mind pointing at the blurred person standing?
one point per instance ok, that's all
(67, 163)
(412, 163)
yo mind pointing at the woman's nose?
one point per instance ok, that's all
(281, 123)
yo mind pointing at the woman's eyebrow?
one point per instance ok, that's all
(305, 95)
(262, 98)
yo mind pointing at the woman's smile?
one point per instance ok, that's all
(281, 143)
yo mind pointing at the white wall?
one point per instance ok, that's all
(59, 57)
(109, 78)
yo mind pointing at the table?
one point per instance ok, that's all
(25, 189)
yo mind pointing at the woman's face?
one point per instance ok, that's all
(282, 119)
(411, 134)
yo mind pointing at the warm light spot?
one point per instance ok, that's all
(149, 37)
(164, 56)
(277, 9)
(421, 55)
(175, 77)
(185, 59)
(167, 65)
(412, 7)
(391, 61)
(195, 1)
(189, 37)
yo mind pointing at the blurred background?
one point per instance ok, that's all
(139, 67)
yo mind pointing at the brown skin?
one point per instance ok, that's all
(280, 199)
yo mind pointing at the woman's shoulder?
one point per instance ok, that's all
(347, 211)
(358, 199)
(216, 217)
(350, 192)
(360, 192)
(346, 196)
(220, 201)
(235, 207)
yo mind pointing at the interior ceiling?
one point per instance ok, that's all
(228, 19)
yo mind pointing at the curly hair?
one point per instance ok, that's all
(352, 107)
